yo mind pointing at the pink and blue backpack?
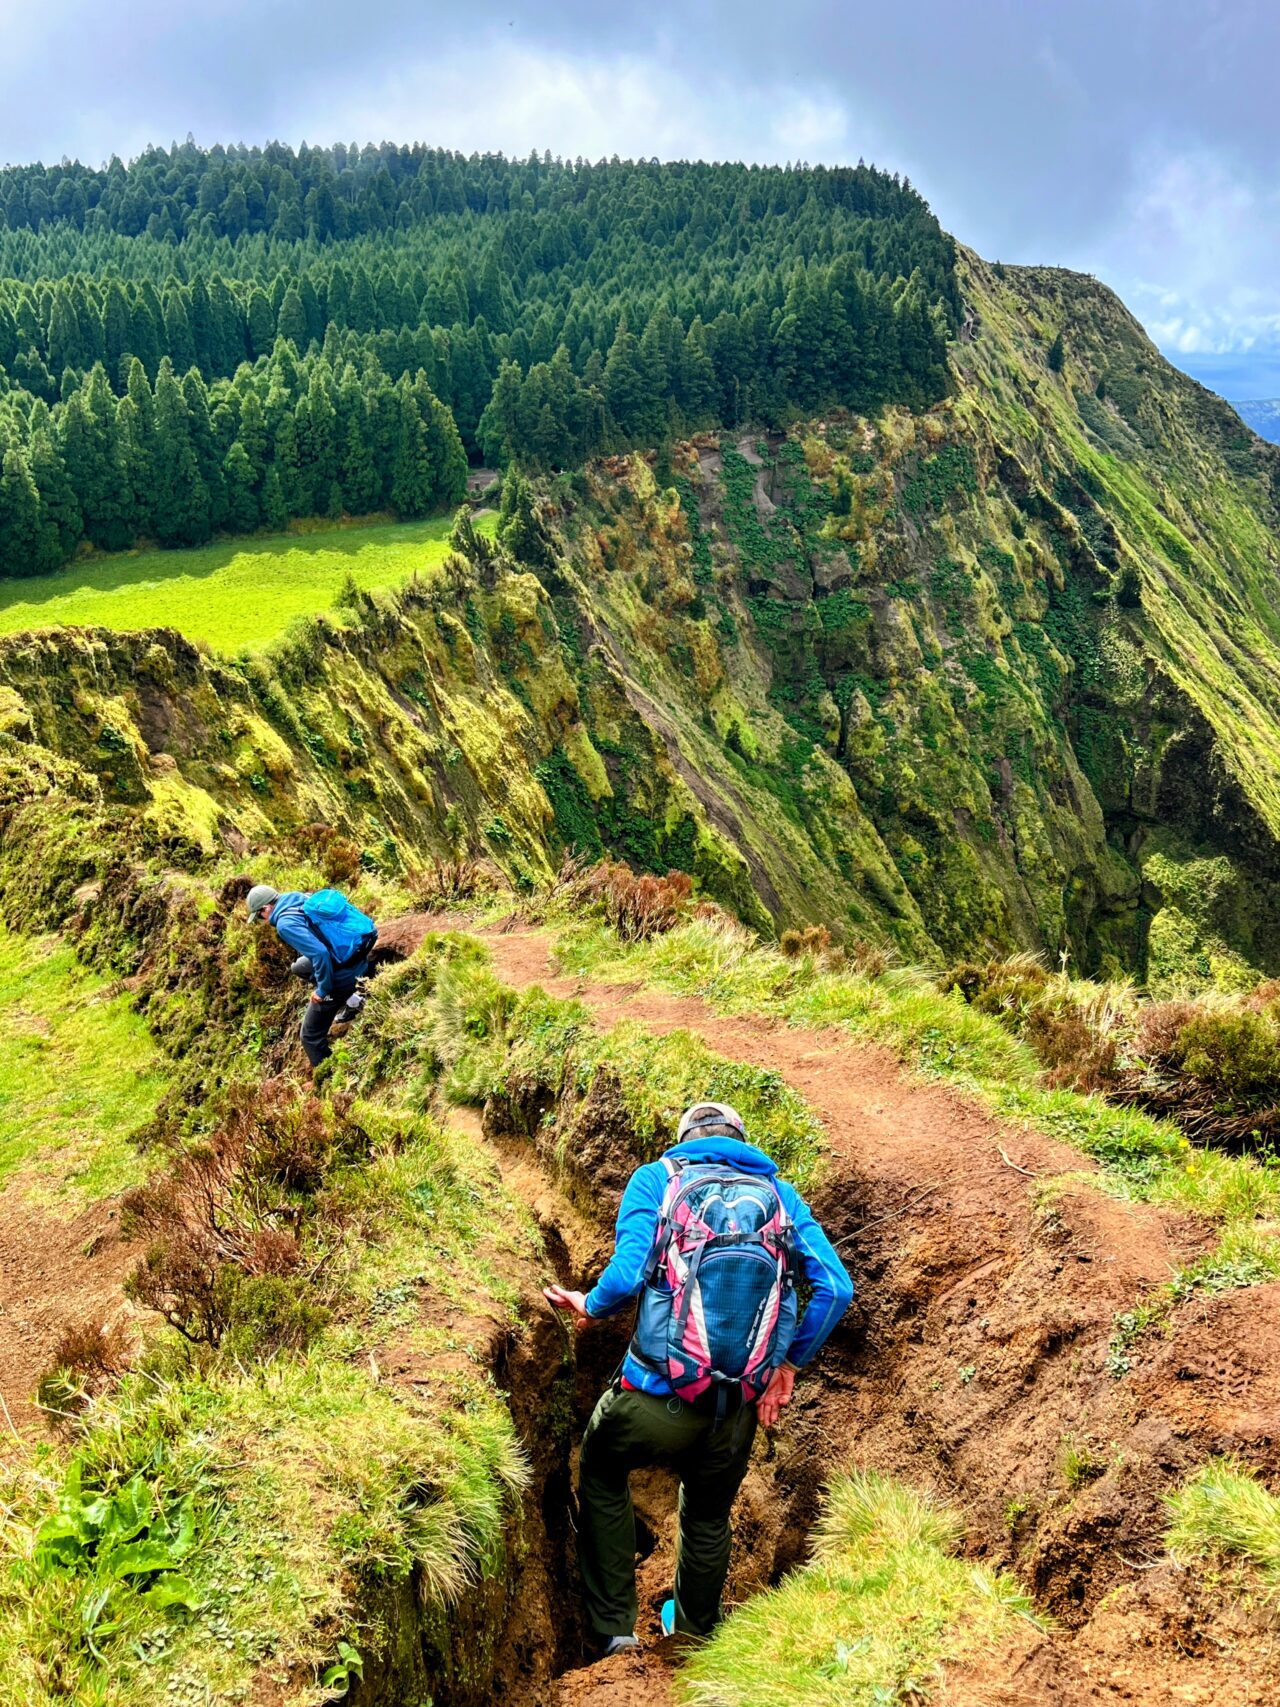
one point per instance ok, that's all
(719, 1307)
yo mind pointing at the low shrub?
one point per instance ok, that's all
(1008, 989)
(1236, 1054)
(88, 1359)
(638, 906)
(233, 1207)
(1075, 1056)
(813, 939)
(1160, 1024)
(266, 1313)
(449, 882)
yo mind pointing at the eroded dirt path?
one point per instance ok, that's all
(976, 1349)
(53, 1273)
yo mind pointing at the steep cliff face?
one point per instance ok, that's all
(1001, 674)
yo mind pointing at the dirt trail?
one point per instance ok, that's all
(977, 1347)
(53, 1273)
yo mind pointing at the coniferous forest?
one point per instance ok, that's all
(215, 341)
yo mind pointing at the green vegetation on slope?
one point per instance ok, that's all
(254, 1499)
(79, 1076)
(232, 597)
(1224, 1512)
(873, 1616)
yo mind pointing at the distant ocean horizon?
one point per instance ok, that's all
(1239, 377)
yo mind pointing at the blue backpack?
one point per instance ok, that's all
(719, 1305)
(345, 931)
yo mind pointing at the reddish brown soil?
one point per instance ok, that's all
(977, 1344)
(976, 1347)
(53, 1275)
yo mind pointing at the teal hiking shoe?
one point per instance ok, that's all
(668, 1618)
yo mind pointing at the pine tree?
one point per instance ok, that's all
(291, 322)
(205, 445)
(260, 322)
(180, 506)
(275, 510)
(117, 324)
(136, 421)
(360, 485)
(91, 451)
(625, 390)
(58, 502)
(28, 545)
(448, 456)
(243, 514)
(413, 470)
(179, 344)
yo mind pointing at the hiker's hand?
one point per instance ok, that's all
(316, 996)
(560, 1298)
(776, 1395)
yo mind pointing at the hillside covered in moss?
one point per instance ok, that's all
(996, 675)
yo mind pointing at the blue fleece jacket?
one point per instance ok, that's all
(293, 926)
(832, 1289)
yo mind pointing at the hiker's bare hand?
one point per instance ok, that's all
(775, 1396)
(560, 1298)
(316, 997)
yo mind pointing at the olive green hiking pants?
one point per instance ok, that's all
(629, 1431)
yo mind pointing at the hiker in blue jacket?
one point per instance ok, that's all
(333, 939)
(713, 1243)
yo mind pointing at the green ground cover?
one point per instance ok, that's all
(235, 594)
(871, 1618)
(78, 1074)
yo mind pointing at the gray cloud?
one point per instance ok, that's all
(1134, 139)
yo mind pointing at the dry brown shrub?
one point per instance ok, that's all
(87, 1360)
(638, 906)
(448, 882)
(338, 857)
(1160, 1024)
(222, 1210)
(1074, 1055)
(812, 939)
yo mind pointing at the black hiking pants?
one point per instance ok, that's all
(628, 1431)
(318, 1018)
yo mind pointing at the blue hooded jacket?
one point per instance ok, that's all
(623, 1279)
(293, 926)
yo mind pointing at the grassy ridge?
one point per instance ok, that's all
(233, 595)
(78, 1074)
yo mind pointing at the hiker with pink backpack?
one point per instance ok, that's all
(713, 1243)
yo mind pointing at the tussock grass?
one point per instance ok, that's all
(305, 1475)
(873, 1618)
(1225, 1511)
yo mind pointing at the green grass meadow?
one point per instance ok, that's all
(234, 595)
(78, 1074)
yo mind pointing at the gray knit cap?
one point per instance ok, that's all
(262, 896)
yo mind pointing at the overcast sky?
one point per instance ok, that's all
(1137, 139)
